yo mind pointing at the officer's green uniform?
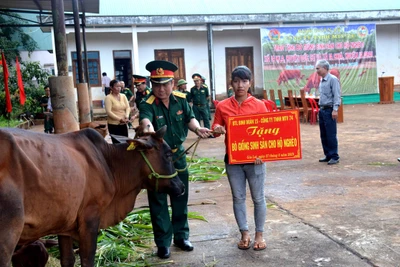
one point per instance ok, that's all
(176, 117)
(141, 95)
(200, 99)
(128, 95)
(127, 92)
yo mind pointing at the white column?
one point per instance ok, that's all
(135, 51)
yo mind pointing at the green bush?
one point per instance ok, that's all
(34, 78)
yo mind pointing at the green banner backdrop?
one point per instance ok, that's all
(290, 54)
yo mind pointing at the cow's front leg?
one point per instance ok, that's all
(88, 231)
(11, 219)
(66, 252)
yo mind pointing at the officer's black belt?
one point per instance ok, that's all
(325, 106)
(199, 105)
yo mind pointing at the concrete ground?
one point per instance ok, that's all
(318, 215)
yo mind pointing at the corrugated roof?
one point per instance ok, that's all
(222, 7)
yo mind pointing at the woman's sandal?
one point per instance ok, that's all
(244, 244)
(259, 245)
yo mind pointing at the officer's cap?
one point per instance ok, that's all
(196, 76)
(181, 82)
(161, 71)
(139, 79)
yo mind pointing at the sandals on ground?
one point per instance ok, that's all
(259, 245)
(244, 244)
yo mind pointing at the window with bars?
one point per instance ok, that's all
(93, 67)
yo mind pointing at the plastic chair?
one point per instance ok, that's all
(267, 105)
(215, 102)
(314, 110)
(273, 105)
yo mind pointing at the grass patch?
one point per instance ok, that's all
(128, 243)
(205, 169)
(5, 123)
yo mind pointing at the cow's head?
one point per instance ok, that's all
(158, 168)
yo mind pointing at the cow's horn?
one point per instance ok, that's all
(160, 133)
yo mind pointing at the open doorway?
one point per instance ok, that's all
(123, 66)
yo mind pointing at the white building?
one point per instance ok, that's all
(212, 37)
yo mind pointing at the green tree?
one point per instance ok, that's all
(12, 38)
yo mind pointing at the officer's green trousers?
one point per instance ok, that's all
(163, 225)
(201, 113)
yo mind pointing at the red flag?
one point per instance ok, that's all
(22, 96)
(5, 73)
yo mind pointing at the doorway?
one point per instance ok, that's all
(237, 56)
(176, 56)
(123, 67)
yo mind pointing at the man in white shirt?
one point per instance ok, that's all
(105, 82)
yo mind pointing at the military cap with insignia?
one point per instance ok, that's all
(196, 76)
(161, 71)
(139, 79)
(181, 82)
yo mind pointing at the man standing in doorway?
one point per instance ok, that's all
(105, 82)
(165, 107)
(329, 102)
(200, 96)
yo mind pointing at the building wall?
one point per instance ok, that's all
(388, 51)
(232, 39)
(194, 43)
(105, 43)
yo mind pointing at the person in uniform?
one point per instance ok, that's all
(45, 103)
(142, 90)
(200, 96)
(182, 87)
(203, 81)
(129, 95)
(167, 107)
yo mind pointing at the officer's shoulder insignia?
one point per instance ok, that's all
(151, 99)
(179, 94)
(205, 85)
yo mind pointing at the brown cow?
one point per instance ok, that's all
(314, 79)
(73, 184)
(287, 75)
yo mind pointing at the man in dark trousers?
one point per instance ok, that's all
(45, 103)
(167, 107)
(329, 102)
(200, 96)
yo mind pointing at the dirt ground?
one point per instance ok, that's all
(318, 215)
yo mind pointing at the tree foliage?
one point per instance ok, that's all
(12, 38)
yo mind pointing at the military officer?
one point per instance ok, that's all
(142, 90)
(167, 107)
(200, 96)
(203, 80)
(182, 87)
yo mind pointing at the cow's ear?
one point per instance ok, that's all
(118, 138)
(160, 133)
(138, 143)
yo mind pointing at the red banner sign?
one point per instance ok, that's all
(269, 136)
